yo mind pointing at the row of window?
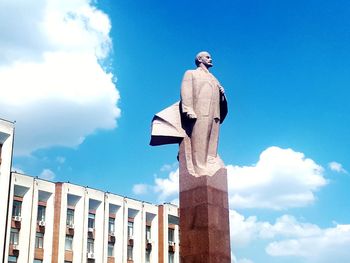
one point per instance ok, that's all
(14, 238)
(39, 238)
(17, 210)
(13, 259)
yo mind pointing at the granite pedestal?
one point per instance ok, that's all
(204, 216)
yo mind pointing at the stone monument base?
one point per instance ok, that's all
(204, 216)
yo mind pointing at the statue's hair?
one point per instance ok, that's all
(198, 56)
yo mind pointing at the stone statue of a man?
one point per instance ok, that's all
(195, 121)
(204, 107)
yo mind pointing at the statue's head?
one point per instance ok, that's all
(204, 58)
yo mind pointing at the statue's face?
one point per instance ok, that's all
(205, 58)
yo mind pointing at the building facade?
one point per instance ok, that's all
(6, 148)
(62, 223)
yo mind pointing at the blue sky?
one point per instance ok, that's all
(83, 81)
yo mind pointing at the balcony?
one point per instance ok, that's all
(149, 244)
(14, 250)
(171, 246)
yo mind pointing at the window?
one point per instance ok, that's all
(91, 221)
(110, 249)
(148, 256)
(90, 245)
(14, 236)
(39, 240)
(70, 217)
(12, 259)
(171, 257)
(16, 208)
(148, 233)
(130, 229)
(130, 256)
(69, 243)
(111, 225)
(41, 213)
(171, 234)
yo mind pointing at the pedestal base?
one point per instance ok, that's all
(204, 217)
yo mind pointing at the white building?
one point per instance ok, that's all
(63, 222)
(6, 146)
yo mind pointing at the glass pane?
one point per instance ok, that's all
(148, 232)
(69, 243)
(70, 217)
(111, 224)
(130, 229)
(91, 221)
(12, 259)
(171, 257)
(130, 252)
(16, 208)
(39, 240)
(90, 245)
(110, 249)
(148, 256)
(14, 236)
(41, 213)
(171, 235)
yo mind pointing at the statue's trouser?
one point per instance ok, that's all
(204, 143)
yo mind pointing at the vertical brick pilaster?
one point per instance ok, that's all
(56, 222)
(161, 234)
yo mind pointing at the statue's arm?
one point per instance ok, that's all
(223, 107)
(187, 95)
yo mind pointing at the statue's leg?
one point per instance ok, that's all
(214, 138)
(199, 142)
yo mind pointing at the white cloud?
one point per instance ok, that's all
(140, 189)
(47, 174)
(329, 245)
(168, 167)
(60, 159)
(337, 167)
(243, 230)
(281, 178)
(167, 187)
(244, 260)
(295, 238)
(51, 79)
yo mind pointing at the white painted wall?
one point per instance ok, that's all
(6, 138)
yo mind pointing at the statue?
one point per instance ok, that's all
(194, 124)
(196, 119)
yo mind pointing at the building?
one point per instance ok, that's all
(62, 222)
(6, 146)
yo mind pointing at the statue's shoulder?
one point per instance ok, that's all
(189, 71)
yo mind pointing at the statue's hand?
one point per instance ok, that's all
(222, 90)
(191, 116)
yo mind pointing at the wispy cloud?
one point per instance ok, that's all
(337, 167)
(140, 189)
(52, 80)
(47, 174)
